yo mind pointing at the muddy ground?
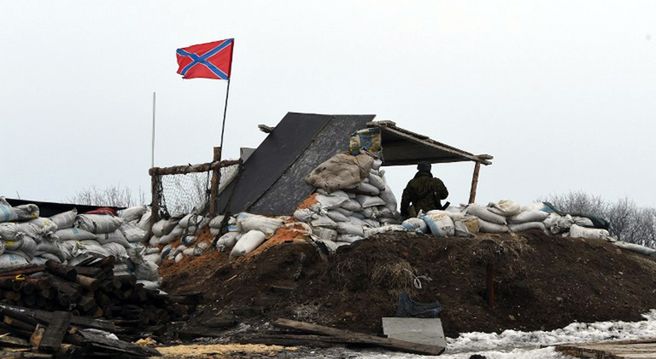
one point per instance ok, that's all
(541, 282)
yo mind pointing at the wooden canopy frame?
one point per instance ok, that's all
(402, 147)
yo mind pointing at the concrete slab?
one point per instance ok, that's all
(416, 330)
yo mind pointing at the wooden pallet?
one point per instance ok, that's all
(627, 349)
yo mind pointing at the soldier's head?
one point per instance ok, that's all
(424, 166)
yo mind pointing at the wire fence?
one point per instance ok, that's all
(184, 193)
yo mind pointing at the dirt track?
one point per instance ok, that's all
(542, 282)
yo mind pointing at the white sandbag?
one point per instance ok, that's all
(166, 250)
(163, 227)
(330, 201)
(371, 223)
(388, 196)
(439, 223)
(155, 258)
(636, 248)
(52, 248)
(215, 232)
(267, 225)
(22, 243)
(556, 223)
(188, 252)
(173, 235)
(528, 216)
(488, 227)
(153, 241)
(146, 270)
(37, 228)
(132, 213)
(520, 227)
(370, 201)
(358, 221)
(116, 250)
(370, 212)
(336, 216)
(352, 205)
(149, 284)
(583, 221)
(505, 208)
(375, 165)
(325, 234)
(367, 188)
(8, 231)
(344, 211)
(377, 181)
(227, 241)
(535, 206)
(65, 219)
(577, 231)
(348, 238)
(350, 228)
(114, 237)
(467, 226)
(92, 246)
(368, 232)
(216, 221)
(332, 246)
(9, 260)
(323, 221)
(247, 243)
(340, 171)
(303, 214)
(150, 250)
(133, 233)
(484, 214)
(19, 213)
(144, 221)
(98, 223)
(415, 225)
(188, 240)
(190, 220)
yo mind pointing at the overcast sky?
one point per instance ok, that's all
(562, 93)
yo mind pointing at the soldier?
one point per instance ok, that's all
(424, 191)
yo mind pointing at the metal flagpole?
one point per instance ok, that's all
(225, 110)
(152, 152)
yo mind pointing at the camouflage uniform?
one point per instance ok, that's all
(424, 192)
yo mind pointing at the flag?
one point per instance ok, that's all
(212, 60)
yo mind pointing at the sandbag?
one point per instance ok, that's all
(98, 223)
(325, 234)
(93, 247)
(368, 232)
(133, 233)
(52, 248)
(556, 223)
(583, 221)
(369, 201)
(163, 227)
(371, 223)
(132, 213)
(352, 205)
(247, 243)
(19, 213)
(266, 225)
(528, 216)
(577, 231)
(37, 228)
(340, 171)
(114, 237)
(22, 243)
(348, 238)
(461, 229)
(329, 201)
(215, 232)
(190, 220)
(439, 223)
(331, 245)
(65, 219)
(149, 284)
(336, 216)
(471, 224)
(188, 252)
(488, 227)
(144, 221)
(636, 248)
(227, 241)
(216, 221)
(188, 240)
(388, 196)
(173, 235)
(484, 214)
(350, 228)
(343, 211)
(8, 231)
(303, 214)
(377, 181)
(116, 250)
(505, 208)
(9, 260)
(520, 227)
(146, 270)
(415, 225)
(323, 221)
(153, 241)
(367, 189)
(155, 258)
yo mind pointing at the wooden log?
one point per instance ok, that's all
(37, 336)
(89, 271)
(55, 331)
(474, 183)
(87, 282)
(184, 169)
(19, 324)
(61, 270)
(104, 344)
(28, 269)
(216, 178)
(360, 338)
(87, 303)
(36, 315)
(7, 340)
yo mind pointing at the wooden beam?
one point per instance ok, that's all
(55, 331)
(347, 336)
(474, 183)
(216, 179)
(184, 169)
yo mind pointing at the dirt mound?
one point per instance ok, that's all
(541, 282)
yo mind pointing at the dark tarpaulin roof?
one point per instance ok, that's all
(48, 209)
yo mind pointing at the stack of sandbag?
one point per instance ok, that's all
(352, 200)
(246, 232)
(185, 228)
(508, 216)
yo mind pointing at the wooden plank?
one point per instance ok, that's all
(103, 343)
(37, 336)
(621, 349)
(216, 179)
(7, 340)
(361, 338)
(184, 169)
(55, 331)
(474, 183)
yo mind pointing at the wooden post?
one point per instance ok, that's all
(154, 205)
(474, 183)
(216, 178)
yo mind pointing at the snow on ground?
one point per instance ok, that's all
(513, 344)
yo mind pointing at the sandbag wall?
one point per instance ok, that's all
(71, 238)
